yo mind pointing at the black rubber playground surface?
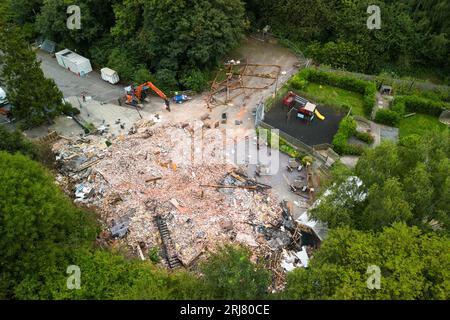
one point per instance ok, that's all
(313, 133)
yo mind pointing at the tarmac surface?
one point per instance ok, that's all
(316, 132)
(72, 85)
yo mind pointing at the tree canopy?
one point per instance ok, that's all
(412, 265)
(35, 98)
(408, 182)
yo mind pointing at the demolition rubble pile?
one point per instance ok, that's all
(145, 174)
(158, 173)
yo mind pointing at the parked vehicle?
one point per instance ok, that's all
(109, 75)
(73, 62)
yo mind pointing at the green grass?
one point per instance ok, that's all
(419, 124)
(335, 97)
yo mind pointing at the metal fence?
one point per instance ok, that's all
(259, 114)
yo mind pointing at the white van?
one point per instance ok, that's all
(109, 75)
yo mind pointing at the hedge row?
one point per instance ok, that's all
(365, 137)
(365, 88)
(404, 104)
(387, 117)
(423, 105)
(347, 128)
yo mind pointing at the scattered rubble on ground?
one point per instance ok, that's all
(154, 187)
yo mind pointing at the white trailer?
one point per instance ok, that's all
(109, 75)
(73, 62)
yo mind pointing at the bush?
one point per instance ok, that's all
(229, 274)
(364, 136)
(120, 61)
(341, 54)
(365, 88)
(195, 80)
(15, 141)
(153, 254)
(387, 117)
(142, 75)
(298, 83)
(369, 98)
(166, 80)
(423, 105)
(347, 128)
(69, 110)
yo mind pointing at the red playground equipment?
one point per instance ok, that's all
(305, 109)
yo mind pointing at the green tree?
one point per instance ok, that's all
(122, 62)
(39, 228)
(96, 20)
(142, 75)
(413, 265)
(35, 98)
(229, 274)
(407, 183)
(15, 141)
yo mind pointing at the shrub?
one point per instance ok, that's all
(399, 105)
(369, 98)
(365, 88)
(166, 80)
(347, 128)
(230, 274)
(15, 141)
(423, 105)
(387, 117)
(298, 83)
(142, 75)
(69, 110)
(364, 136)
(153, 254)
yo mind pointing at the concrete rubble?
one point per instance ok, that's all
(131, 179)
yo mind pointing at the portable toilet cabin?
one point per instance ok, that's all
(109, 75)
(73, 62)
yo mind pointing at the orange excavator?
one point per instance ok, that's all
(136, 95)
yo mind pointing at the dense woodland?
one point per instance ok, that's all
(397, 218)
(179, 41)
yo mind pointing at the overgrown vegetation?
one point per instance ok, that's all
(347, 129)
(408, 182)
(35, 98)
(420, 124)
(414, 34)
(404, 105)
(413, 265)
(364, 88)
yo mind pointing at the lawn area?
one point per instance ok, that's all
(419, 124)
(336, 97)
